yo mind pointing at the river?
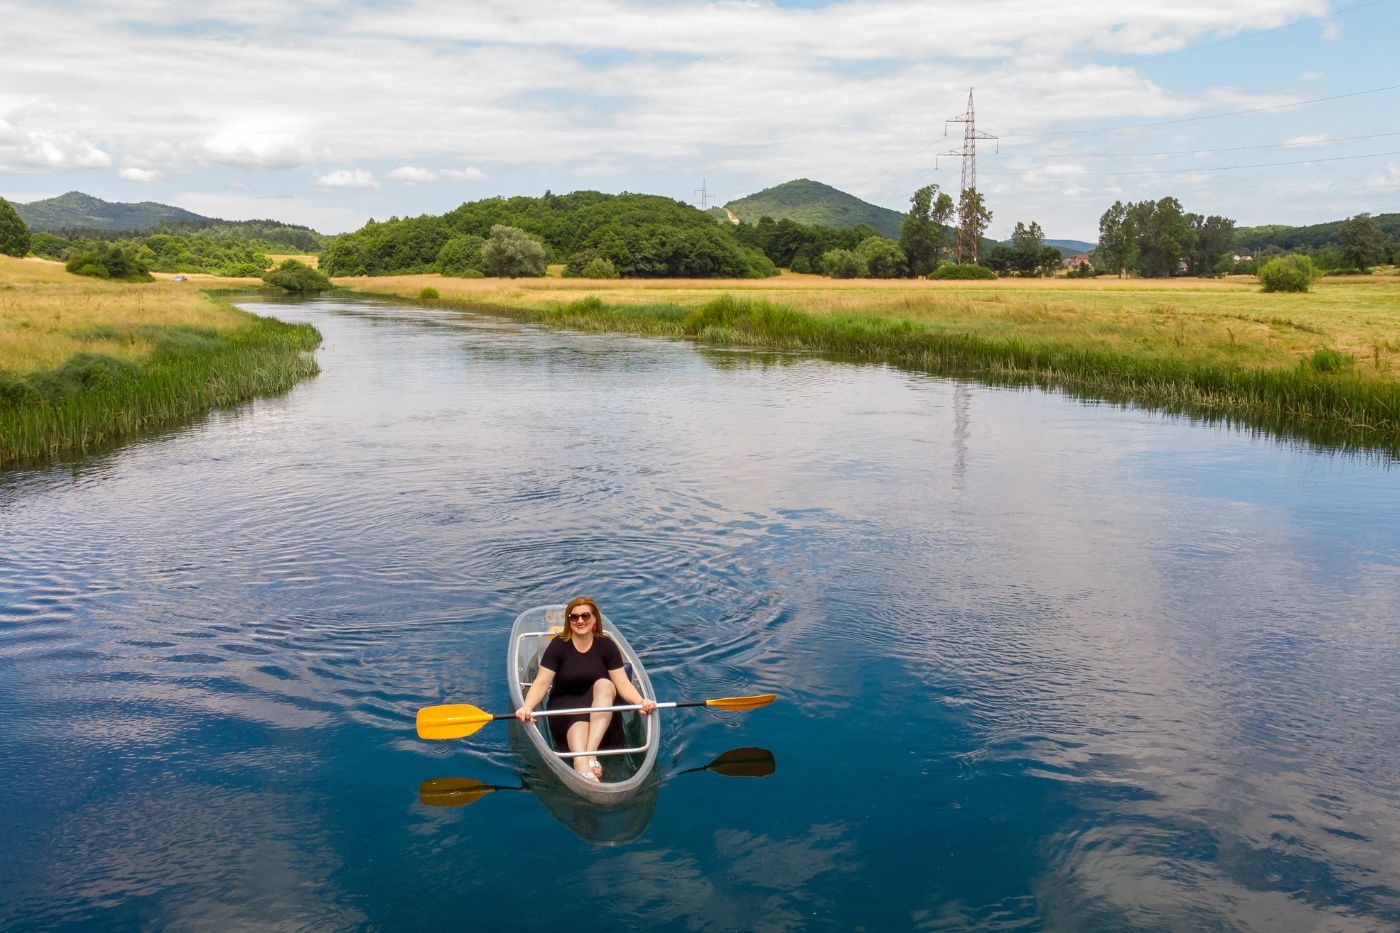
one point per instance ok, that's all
(1040, 663)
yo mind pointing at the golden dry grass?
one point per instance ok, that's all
(307, 259)
(1211, 320)
(44, 312)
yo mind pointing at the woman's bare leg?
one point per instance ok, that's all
(578, 742)
(603, 694)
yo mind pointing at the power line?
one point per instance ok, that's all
(1209, 116)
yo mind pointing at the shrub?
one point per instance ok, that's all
(121, 261)
(428, 294)
(600, 267)
(512, 253)
(953, 270)
(297, 276)
(843, 264)
(1292, 273)
(14, 235)
(1081, 270)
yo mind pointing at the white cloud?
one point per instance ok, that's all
(1308, 139)
(413, 175)
(1312, 76)
(1386, 180)
(1331, 32)
(851, 92)
(253, 148)
(139, 175)
(38, 151)
(346, 178)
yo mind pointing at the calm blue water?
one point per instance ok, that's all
(1041, 664)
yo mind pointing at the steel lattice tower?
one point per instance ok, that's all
(967, 208)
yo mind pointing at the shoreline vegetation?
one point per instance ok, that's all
(86, 362)
(1323, 366)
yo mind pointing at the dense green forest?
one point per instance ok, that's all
(1307, 239)
(639, 235)
(814, 204)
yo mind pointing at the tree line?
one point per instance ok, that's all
(634, 235)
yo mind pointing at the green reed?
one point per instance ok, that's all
(93, 400)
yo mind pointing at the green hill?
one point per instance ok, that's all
(813, 203)
(78, 211)
(79, 215)
(1306, 239)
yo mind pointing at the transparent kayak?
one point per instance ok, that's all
(626, 769)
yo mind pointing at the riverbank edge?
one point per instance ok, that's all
(190, 375)
(1318, 400)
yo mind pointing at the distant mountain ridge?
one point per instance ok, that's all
(81, 215)
(78, 211)
(1071, 247)
(811, 202)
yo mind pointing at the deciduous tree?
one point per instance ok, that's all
(923, 236)
(14, 234)
(512, 253)
(1363, 244)
(1118, 238)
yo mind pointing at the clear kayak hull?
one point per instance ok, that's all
(623, 774)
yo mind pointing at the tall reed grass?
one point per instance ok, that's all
(92, 399)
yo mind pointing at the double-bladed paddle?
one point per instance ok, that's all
(459, 720)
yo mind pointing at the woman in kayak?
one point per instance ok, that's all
(584, 668)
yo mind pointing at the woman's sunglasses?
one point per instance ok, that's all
(583, 616)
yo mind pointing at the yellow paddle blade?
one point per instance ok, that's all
(738, 703)
(453, 721)
(452, 792)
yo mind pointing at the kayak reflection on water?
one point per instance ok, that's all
(590, 822)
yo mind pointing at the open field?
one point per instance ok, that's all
(85, 361)
(1218, 347)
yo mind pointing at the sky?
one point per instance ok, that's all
(332, 112)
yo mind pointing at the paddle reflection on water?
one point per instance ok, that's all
(590, 822)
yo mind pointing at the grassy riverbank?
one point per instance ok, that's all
(1324, 364)
(85, 362)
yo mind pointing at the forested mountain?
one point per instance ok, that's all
(815, 204)
(78, 211)
(1254, 240)
(82, 216)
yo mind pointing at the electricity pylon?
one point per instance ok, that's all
(967, 205)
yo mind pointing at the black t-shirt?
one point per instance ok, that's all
(575, 672)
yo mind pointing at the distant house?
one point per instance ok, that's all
(1077, 259)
